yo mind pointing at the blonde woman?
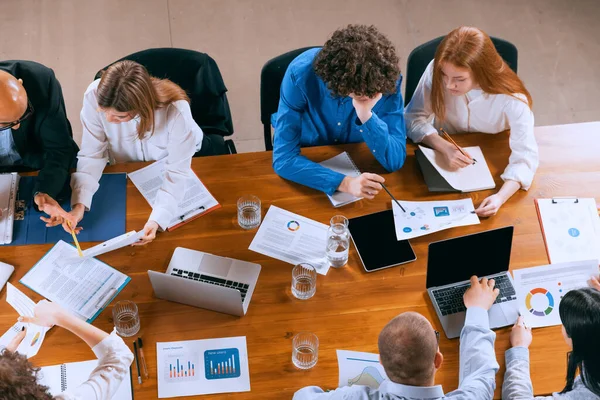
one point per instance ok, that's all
(128, 116)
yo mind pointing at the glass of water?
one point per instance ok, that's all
(304, 281)
(338, 241)
(249, 211)
(305, 350)
(126, 318)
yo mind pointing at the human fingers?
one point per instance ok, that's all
(491, 283)
(13, 345)
(374, 177)
(474, 280)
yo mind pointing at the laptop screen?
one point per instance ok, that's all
(455, 260)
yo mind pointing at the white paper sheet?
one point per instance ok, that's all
(81, 285)
(34, 338)
(197, 198)
(8, 195)
(292, 238)
(571, 229)
(540, 289)
(67, 377)
(358, 368)
(196, 367)
(468, 179)
(343, 164)
(113, 244)
(425, 217)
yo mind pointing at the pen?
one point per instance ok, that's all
(447, 137)
(137, 361)
(191, 211)
(144, 366)
(393, 198)
(75, 239)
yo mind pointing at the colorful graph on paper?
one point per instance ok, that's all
(181, 367)
(222, 363)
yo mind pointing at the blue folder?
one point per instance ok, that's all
(104, 221)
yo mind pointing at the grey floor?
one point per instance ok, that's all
(558, 41)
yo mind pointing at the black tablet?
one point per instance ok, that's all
(375, 240)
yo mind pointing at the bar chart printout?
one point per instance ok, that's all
(181, 367)
(222, 363)
(207, 366)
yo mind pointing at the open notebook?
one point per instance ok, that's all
(8, 195)
(343, 164)
(468, 179)
(67, 377)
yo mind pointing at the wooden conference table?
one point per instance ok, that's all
(350, 306)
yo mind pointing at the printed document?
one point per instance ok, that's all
(540, 289)
(292, 238)
(35, 335)
(81, 285)
(425, 217)
(197, 199)
(358, 368)
(571, 229)
(113, 244)
(195, 367)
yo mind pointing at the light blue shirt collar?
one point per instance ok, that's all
(416, 392)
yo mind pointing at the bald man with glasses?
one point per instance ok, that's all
(35, 133)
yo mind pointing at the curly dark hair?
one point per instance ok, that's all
(358, 59)
(18, 379)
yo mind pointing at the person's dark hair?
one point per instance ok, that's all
(358, 59)
(580, 315)
(18, 378)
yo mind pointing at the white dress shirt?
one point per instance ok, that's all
(176, 137)
(114, 359)
(477, 111)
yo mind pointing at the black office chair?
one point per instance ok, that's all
(270, 83)
(198, 74)
(422, 55)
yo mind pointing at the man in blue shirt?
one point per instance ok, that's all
(346, 92)
(410, 355)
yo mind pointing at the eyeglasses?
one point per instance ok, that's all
(28, 113)
(437, 337)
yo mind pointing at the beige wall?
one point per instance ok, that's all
(558, 41)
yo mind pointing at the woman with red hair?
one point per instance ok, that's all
(469, 88)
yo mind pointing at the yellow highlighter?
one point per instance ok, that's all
(75, 239)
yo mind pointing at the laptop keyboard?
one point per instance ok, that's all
(213, 280)
(450, 300)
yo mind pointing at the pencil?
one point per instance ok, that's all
(448, 138)
(393, 198)
(75, 239)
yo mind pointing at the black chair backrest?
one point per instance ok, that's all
(270, 84)
(197, 74)
(422, 55)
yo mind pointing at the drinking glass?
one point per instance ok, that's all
(126, 318)
(249, 213)
(304, 281)
(338, 241)
(305, 350)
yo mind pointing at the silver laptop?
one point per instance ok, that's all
(452, 262)
(207, 281)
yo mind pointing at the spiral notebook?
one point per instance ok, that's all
(343, 164)
(67, 377)
(8, 194)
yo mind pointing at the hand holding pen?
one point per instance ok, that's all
(456, 157)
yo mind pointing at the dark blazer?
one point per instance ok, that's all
(44, 140)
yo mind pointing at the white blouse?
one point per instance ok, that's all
(176, 137)
(478, 111)
(114, 359)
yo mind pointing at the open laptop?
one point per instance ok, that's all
(452, 262)
(207, 281)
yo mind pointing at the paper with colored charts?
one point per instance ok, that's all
(425, 217)
(358, 368)
(195, 367)
(35, 334)
(292, 238)
(540, 289)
